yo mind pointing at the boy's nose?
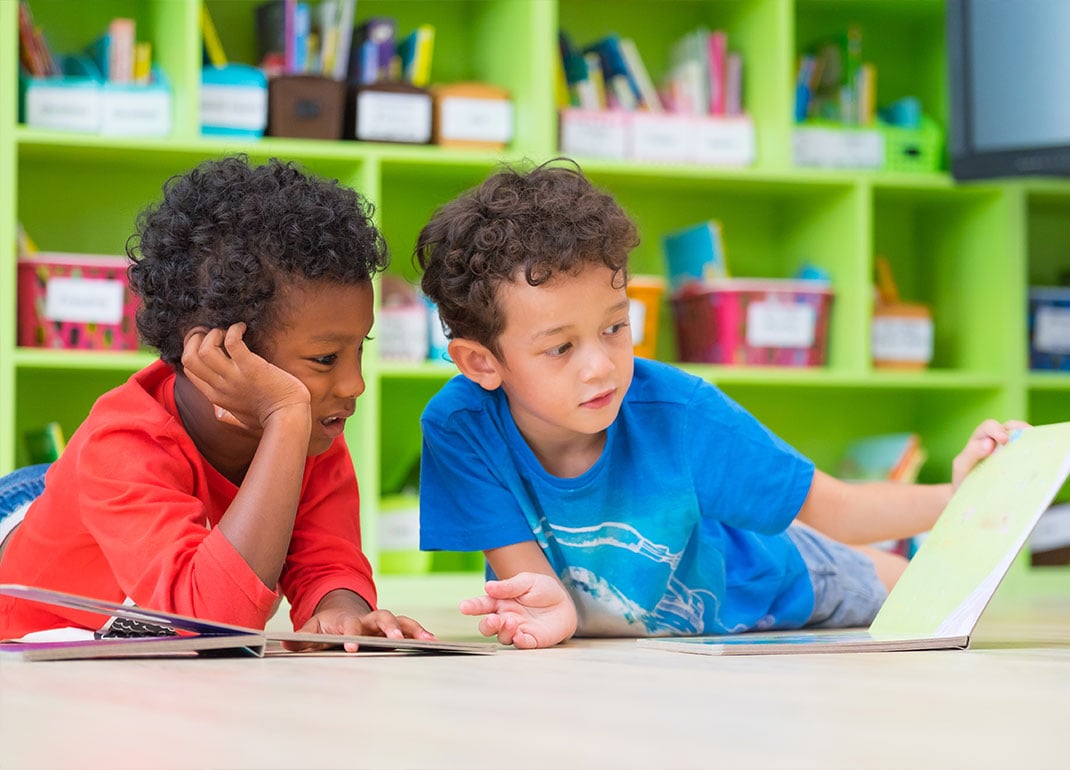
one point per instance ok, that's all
(598, 363)
(350, 382)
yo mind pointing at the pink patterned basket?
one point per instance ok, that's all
(76, 301)
(753, 322)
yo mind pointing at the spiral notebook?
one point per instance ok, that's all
(948, 583)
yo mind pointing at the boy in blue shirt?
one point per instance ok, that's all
(617, 496)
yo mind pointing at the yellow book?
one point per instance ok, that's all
(142, 62)
(212, 45)
(425, 46)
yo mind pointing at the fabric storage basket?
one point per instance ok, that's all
(753, 322)
(77, 301)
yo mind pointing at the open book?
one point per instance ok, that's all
(138, 632)
(946, 586)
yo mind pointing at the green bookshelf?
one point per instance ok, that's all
(969, 251)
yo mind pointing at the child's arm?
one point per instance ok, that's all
(527, 607)
(860, 513)
(249, 391)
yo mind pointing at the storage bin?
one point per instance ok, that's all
(753, 322)
(78, 301)
(1049, 327)
(306, 107)
(913, 149)
(645, 294)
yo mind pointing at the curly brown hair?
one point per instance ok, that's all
(228, 237)
(546, 221)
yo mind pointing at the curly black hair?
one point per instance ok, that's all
(544, 221)
(228, 236)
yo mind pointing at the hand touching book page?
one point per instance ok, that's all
(137, 632)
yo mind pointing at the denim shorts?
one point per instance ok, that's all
(847, 591)
(17, 490)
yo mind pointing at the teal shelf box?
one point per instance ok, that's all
(81, 101)
(234, 101)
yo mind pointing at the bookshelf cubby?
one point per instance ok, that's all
(969, 251)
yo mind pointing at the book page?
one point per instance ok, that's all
(950, 580)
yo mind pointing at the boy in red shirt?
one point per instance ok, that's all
(217, 479)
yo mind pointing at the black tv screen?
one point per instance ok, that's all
(1009, 84)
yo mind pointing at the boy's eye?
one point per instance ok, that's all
(327, 360)
(616, 328)
(559, 350)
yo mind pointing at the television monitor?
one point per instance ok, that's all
(1009, 88)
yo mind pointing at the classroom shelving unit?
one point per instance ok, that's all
(969, 251)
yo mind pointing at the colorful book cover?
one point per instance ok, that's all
(695, 253)
(883, 457)
(372, 50)
(648, 94)
(45, 444)
(619, 79)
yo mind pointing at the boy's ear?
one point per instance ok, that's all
(476, 363)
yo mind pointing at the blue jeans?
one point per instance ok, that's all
(847, 591)
(17, 490)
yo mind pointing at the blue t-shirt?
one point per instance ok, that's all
(678, 528)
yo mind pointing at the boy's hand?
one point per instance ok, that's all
(245, 389)
(350, 622)
(981, 444)
(527, 610)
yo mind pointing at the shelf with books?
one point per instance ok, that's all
(858, 101)
(948, 251)
(883, 26)
(757, 30)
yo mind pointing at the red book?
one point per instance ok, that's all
(718, 51)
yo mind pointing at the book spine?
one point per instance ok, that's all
(121, 39)
(718, 51)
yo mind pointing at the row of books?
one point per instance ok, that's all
(703, 76)
(325, 39)
(116, 56)
(834, 83)
(35, 55)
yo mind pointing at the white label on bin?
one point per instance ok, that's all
(836, 148)
(399, 530)
(637, 320)
(661, 138)
(84, 301)
(68, 109)
(780, 325)
(1051, 330)
(393, 117)
(903, 339)
(239, 107)
(724, 141)
(477, 120)
(593, 134)
(402, 333)
(135, 112)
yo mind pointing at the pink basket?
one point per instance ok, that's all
(752, 322)
(77, 301)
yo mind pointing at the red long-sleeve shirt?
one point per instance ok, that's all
(130, 511)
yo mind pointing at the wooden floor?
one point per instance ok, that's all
(594, 704)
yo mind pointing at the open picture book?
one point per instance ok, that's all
(948, 583)
(129, 631)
